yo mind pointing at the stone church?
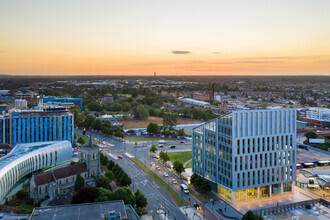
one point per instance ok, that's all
(61, 181)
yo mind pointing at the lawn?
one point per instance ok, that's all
(182, 156)
(189, 165)
(174, 195)
(146, 138)
(86, 138)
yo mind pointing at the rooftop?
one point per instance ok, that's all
(86, 211)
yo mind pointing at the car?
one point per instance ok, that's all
(160, 145)
(166, 174)
(318, 131)
(174, 181)
(172, 146)
(120, 157)
(152, 164)
(157, 167)
(197, 206)
(182, 142)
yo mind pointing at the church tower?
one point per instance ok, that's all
(91, 156)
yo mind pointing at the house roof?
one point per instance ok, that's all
(44, 178)
(70, 170)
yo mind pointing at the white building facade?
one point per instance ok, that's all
(247, 153)
(318, 113)
(28, 158)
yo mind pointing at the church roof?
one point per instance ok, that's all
(44, 178)
(70, 170)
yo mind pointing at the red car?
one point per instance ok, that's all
(120, 157)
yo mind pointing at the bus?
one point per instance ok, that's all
(309, 165)
(323, 163)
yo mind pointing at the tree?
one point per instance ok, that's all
(310, 134)
(153, 128)
(124, 179)
(119, 133)
(111, 165)
(178, 167)
(164, 156)
(140, 199)
(89, 119)
(106, 127)
(97, 124)
(79, 184)
(250, 216)
(123, 193)
(103, 181)
(328, 105)
(103, 195)
(81, 140)
(80, 121)
(109, 175)
(153, 149)
(87, 194)
(141, 112)
(181, 132)
(170, 120)
(21, 194)
(206, 186)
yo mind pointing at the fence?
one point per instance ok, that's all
(291, 206)
(155, 135)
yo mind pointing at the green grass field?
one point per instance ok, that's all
(137, 139)
(174, 195)
(86, 138)
(189, 165)
(182, 156)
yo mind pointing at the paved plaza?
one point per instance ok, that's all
(268, 202)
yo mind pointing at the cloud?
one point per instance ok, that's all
(1, 51)
(251, 61)
(217, 52)
(180, 52)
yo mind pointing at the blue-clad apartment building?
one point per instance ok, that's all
(36, 126)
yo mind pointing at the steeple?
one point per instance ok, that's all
(90, 140)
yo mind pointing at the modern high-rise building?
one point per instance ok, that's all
(28, 126)
(247, 153)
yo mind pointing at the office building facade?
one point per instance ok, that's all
(36, 126)
(247, 153)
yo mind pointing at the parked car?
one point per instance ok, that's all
(166, 174)
(172, 146)
(174, 181)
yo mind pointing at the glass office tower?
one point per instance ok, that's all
(36, 126)
(247, 153)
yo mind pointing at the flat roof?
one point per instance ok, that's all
(84, 211)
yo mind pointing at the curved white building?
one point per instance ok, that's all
(27, 158)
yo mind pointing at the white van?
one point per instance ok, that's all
(184, 188)
(162, 142)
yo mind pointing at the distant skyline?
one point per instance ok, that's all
(188, 37)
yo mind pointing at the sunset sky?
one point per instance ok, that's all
(170, 37)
